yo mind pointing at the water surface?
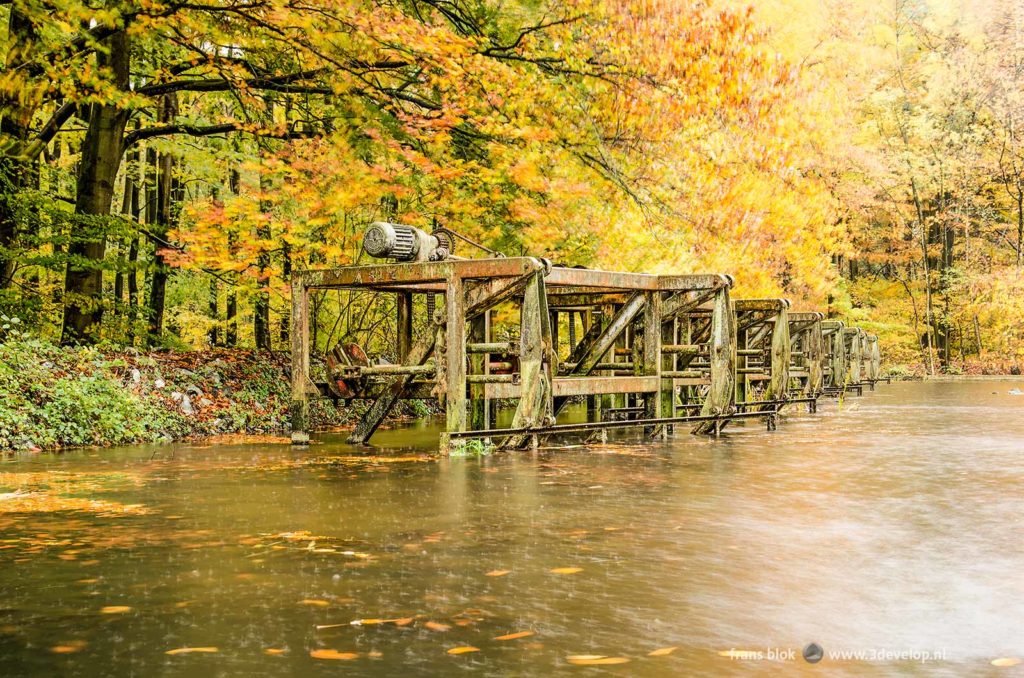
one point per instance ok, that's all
(889, 524)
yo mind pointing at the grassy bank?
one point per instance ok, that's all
(57, 397)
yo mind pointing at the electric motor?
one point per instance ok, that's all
(403, 243)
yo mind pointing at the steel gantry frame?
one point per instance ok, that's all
(644, 350)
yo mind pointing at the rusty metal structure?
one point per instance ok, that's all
(516, 339)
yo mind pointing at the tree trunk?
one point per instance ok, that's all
(166, 209)
(231, 306)
(102, 149)
(286, 275)
(1020, 227)
(15, 127)
(261, 304)
(213, 336)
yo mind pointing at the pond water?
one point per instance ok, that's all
(889, 525)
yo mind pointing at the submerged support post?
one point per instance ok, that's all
(478, 419)
(404, 325)
(535, 405)
(856, 357)
(299, 410)
(455, 349)
(652, 357)
(838, 359)
(722, 356)
(778, 387)
(876, 359)
(815, 356)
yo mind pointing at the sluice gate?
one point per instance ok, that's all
(514, 340)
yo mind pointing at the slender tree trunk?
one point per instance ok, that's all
(134, 176)
(286, 274)
(231, 305)
(261, 304)
(1020, 227)
(166, 208)
(102, 149)
(14, 125)
(928, 314)
(213, 336)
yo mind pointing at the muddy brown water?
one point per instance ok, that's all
(889, 526)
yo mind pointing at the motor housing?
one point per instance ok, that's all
(384, 240)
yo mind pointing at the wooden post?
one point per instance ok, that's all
(722, 355)
(535, 406)
(299, 410)
(814, 357)
(651, 363)
(876, 360)
(404, 325)
(778, 387)
(479, 363)
(838, 359)
(669, 331)
(455, 351)
(855, 358)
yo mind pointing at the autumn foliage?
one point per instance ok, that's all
(168, 165)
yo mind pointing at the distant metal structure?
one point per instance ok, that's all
(650, 351)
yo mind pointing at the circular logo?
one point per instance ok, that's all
(813, 653)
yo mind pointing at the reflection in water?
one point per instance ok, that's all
(891, 523)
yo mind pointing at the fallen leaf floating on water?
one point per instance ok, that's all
(401, 621)
(497, 573)
(314, 602)
(192, 650)
(436, 626)
(463, 650)
(274, 651)
(661, 652)
(514, 636)
(332, 654)
(1006, 661)
(115, 609)
(595, 660)
(69, 647)
(566, 570)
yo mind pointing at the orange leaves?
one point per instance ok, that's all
(464, 649)
(595, 660)
(515, 636)
(662, 652)
(333, 654)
